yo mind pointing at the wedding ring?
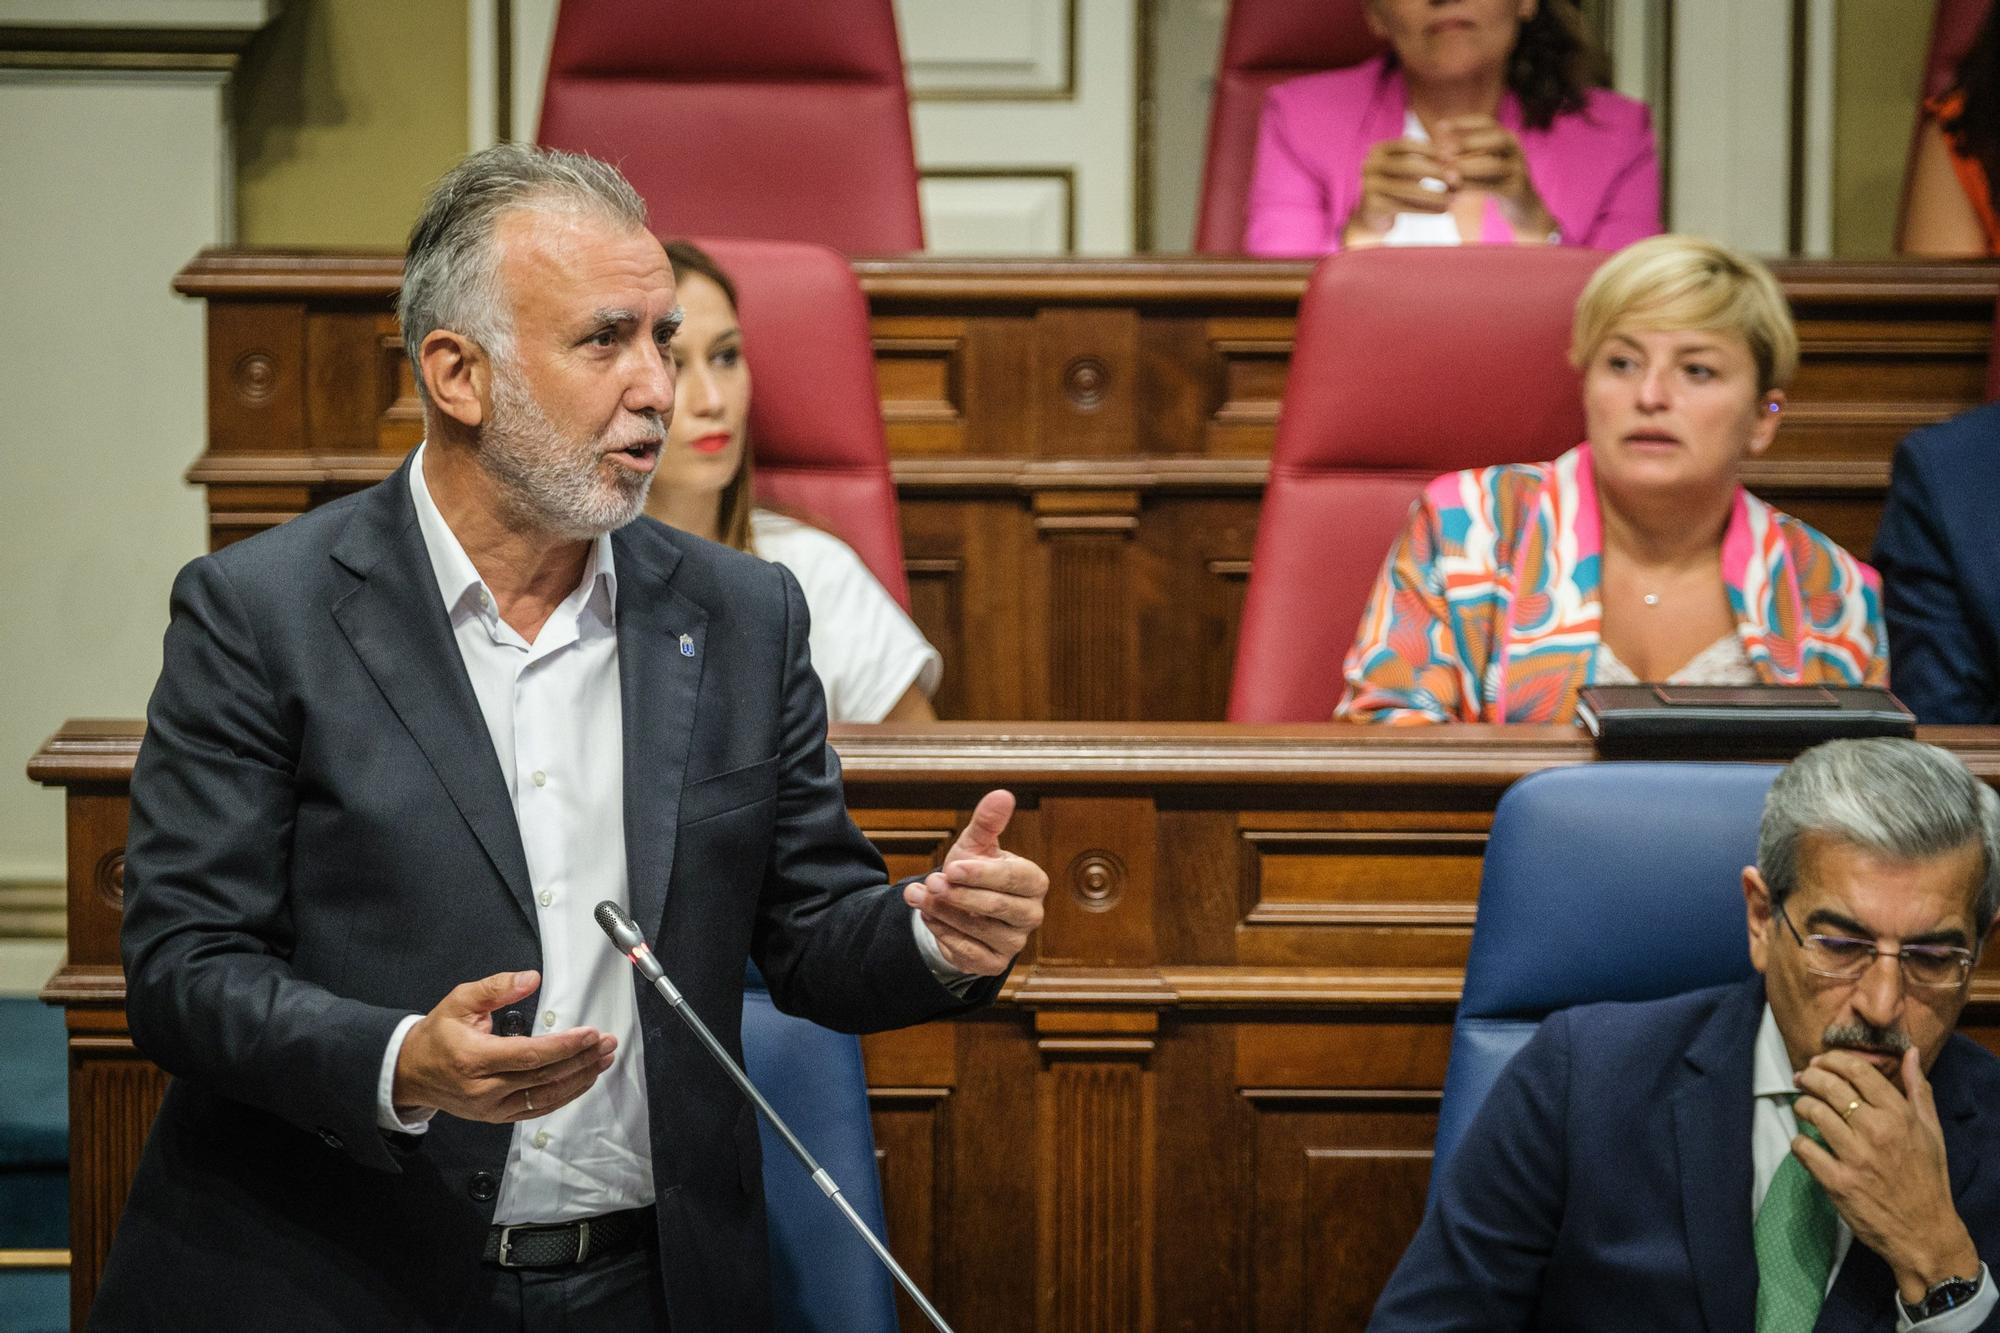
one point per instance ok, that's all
(529, 1098)
(1852, 1107)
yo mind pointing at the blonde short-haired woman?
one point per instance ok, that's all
(1637, 555)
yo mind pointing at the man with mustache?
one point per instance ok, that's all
(1812, 1148)
(401, 747)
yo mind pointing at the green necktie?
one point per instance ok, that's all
(1794, 1239)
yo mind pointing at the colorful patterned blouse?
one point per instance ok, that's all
(1487, 609)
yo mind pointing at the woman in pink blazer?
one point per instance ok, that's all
(1480, 124)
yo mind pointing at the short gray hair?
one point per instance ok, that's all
(451, 277)
(1895, 798)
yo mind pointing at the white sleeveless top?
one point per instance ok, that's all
(1721, 663)
(865, 650)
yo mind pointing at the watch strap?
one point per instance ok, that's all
(1950, 1294)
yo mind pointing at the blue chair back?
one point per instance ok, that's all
(823, 1276)
(1608, 881)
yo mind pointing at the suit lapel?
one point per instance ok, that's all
(1712, 1132)
(1958, 1114)
(662, 653)
(397, 625)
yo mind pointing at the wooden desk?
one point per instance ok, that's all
(1205, 1099)
(1079, 446)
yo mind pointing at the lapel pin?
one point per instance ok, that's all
(687, 646)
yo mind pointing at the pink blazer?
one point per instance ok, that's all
(1595, 169)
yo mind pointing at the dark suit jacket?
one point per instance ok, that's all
(1940, 567)
(322, 842)
(1605, 1182)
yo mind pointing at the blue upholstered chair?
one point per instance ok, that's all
(822, 1274)
(1609, 881)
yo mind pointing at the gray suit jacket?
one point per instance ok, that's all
(322, 842)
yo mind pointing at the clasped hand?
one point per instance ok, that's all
(1883, 1166)
(452, 1060)
(1414, 176)
(984, 902)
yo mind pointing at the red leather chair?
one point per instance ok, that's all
(1407, 364)
(815, 416)
(783, 119)
(1267, 42)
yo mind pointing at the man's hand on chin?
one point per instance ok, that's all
(452, 1061)
(1883, 1166)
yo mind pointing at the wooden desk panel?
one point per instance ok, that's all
(1079, 446)
(1206, 1097)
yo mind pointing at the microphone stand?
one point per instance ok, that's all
(625, 934)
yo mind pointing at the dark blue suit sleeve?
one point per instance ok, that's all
(1478, 1259)
(1936, 662)
(207, 933)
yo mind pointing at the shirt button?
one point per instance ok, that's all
(541, 1139)
(541, 778)
(549, 1018)
(545, 897)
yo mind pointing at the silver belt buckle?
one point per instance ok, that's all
(505, 1257)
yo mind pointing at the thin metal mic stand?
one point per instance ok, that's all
(625, 934)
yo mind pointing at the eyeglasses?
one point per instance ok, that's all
(1845, 958)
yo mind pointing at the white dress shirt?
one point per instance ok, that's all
(1772, 1128)
(553, 711)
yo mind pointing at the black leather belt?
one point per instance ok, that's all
(564, 1244)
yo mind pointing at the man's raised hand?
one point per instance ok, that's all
(984, 902)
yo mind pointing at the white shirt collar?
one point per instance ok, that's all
(1770, 1063)
(459, 584)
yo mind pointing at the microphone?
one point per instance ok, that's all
(624, 933)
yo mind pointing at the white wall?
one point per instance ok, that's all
(113, 181)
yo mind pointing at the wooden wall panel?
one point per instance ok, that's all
(113, 1094)
(1080, 446)
(1340, 1182)
(1206, 1097)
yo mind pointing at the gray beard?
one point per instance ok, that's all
(549, 482)
(1865, 1037)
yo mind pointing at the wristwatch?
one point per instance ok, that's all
(1951, 1294)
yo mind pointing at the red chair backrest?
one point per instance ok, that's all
(815, 415)
(1407, 364)
(1267, 42)
(784, 119)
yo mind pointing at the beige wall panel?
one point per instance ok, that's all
(345, 113)
(1015, 215)
(1090, 134)
(1187, 44)
(112, 183)
(953, 47)
(1879, 47)
(1731, 148)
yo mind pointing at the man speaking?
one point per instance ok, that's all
(401, 747)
